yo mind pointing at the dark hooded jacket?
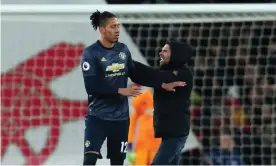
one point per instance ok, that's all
(171, 109)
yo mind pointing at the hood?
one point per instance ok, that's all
(181, 53)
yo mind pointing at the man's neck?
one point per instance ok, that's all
(106, 43)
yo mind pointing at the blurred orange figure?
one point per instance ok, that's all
(142, 144)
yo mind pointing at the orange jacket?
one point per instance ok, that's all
(141, 132)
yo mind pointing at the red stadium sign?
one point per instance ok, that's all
(28, 102)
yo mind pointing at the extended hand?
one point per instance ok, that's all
(130, 91)
(171, 86)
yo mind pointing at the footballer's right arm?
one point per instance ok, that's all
(93, 78)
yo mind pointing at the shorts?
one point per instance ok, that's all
(116, 133)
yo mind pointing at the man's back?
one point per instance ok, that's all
(110, 67)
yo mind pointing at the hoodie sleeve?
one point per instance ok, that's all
(144, 75)
(150, 77)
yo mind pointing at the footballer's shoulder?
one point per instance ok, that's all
(91, 47)
(121, 45)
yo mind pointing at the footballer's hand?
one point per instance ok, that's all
(130, 91)
(171, 86)
(134, 84)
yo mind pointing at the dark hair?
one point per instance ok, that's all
(99, 19)
(170, 41)
(226, 131)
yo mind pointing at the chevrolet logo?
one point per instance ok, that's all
(115, 67)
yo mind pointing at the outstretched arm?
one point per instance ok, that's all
(144, 75)
(148, 76)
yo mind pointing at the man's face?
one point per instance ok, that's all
(226, 142)
(251, 74)
(165, 55)
(111, 30)
(267, 86)
(241, 57)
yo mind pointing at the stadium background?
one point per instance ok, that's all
(234, 94)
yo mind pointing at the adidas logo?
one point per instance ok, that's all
(103, 60)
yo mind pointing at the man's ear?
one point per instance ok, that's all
(102, 29)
